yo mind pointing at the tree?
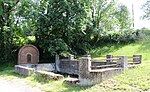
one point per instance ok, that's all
(75, 26)
(62, 25)
(59, 26)
(103, 18)
(7, 23)
(146, 9)
(122, 14)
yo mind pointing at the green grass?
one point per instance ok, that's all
(141, 47)
(135, 80)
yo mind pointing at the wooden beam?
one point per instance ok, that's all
(133, 63)
(102, 66)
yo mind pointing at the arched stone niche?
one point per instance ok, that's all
(28, 54)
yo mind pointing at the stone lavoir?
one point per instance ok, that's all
(87, 71)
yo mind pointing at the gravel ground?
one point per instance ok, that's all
(16, 86)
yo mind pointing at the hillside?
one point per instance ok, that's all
(138, 47)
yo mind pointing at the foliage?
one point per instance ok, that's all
(103, 18)
(140, 46)
(146, 10)
(122, 14)
(66, 21)
(7, 32)
(79, 24)
(111, 22)
(62, 26)
(126, 36)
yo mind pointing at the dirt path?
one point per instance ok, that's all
(16, 86)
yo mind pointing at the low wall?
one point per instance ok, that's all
(29, 69)
(24, 70)
(71, 66)
(41, 67)
(68, 66)
(43, 70)
(89, 76)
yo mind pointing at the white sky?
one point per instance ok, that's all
(139, 23)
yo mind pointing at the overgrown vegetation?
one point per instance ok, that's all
(138, 47)
(62, 27)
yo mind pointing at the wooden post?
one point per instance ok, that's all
(137, 58)
(109, 59)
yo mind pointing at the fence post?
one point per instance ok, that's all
(123, 61)
(109, 59)
(137, 58)
(71, 57)
(57, 62)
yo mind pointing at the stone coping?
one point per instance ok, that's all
(110, 69)
(104, 70)
(69, 60)
(38, 64)
(24, 67)
(48, 73)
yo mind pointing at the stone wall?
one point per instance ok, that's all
(43, 70)
(82, 67)
(24, 70)
(69, 66)
(41, 67)
(88, 76)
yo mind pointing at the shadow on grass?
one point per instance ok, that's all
(41, 79)
(59, 85)
(74, 88)
(9, 71)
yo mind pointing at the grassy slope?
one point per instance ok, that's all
(139, 47)
(134, 80)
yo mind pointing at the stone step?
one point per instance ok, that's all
(49, 75)
(72, 80)
(23, 70)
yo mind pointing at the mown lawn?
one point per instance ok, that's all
(135, 80)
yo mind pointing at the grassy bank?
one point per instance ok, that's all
(135, 80)
(128, 49)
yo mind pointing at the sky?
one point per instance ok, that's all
(137, 4)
